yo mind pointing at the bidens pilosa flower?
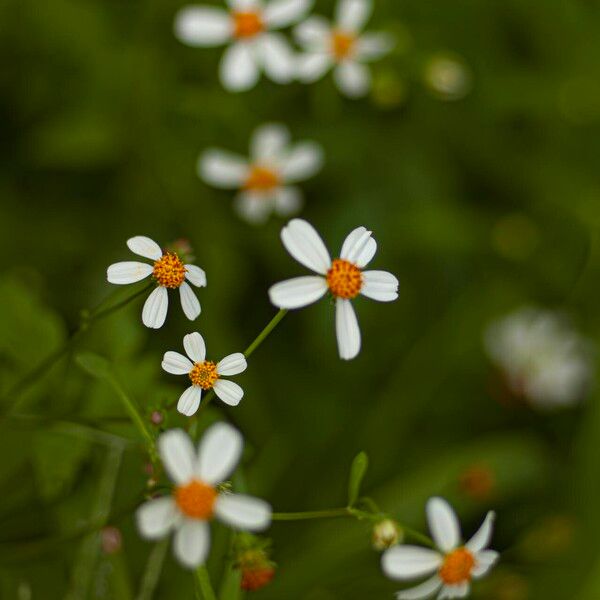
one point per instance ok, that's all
(341, 46)
(453, 565)
(196, 498)
(168, 271)
(265, 181)
(204, 374)
(343, 277)
(248, 26)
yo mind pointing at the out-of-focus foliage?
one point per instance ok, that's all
(479, 204)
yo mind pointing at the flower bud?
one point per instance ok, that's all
(111, 540)
(157, 417)
(386, 533)
(254, 563)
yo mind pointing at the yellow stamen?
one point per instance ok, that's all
(344, 279)
(204, 374)
(457, 567)
(169, 271)
(196, 499)
(261, 179)
(247, 24)
(343, 44)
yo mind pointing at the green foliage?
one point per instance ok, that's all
(357, 473)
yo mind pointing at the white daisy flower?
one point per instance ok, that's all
(248, 26)
(196, 498)
(265, 180)
(543, 358)
(204, 374)
(452, 566)
(168, 270)
(343, 277)
(341, 46)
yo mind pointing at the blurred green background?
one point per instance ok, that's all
(479, 204)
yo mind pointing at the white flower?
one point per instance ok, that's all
(264, 180)
(543, 359)
(341, 46)
(204, 374)
(196, 498)
(168, 271)
(343, 277)
(452, 566)
(248, 26)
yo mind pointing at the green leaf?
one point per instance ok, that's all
(95, 365)
(357, 473)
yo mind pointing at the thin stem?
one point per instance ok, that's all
(153, 570)
(314, 514)
(204, 589)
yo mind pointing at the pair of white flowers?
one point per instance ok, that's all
(250, 27)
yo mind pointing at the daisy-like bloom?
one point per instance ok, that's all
(248, 26)
(341, 46)
(452, 566)
(264, 180)
(204, 374)
(543, 359)
(196, 498)
(168, 271)
(343, 277)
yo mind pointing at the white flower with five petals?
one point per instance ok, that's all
(452, 566)
(204, 374)
(265, 181)
(341, 47)
(196, 498)
(249, 27)
(343, 277)
(168, 270)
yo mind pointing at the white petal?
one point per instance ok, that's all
(277, 57)
(346, 329)
(298, 292)
(195, 347)
(156, 517)
(155, 308)
(122, 273)
(228, 391)
(352, 79)
(460, 590)
(443, 524)
(233, 364)
(485, 560)
(359, 247)
(244, 4)
(303, 242)
(379, 285)
(222, 169)
(189, 401)
(351, 15)
(189, 301)
(302, 161)
(203, 26)
(177, 454)
(176, 363)
(312, 66)
(408, 562)
(253, 207)
(238, 69)
(219, 452)
(482, 537)
(195, 275)
(314, 33)
(281, 13)
(144, 246)
(372, 46)
(288, 201)
(192, 542)
(423, 591)
(243, 512)
(269, 141)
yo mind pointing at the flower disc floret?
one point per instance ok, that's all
(457, 566)
(247, 24)
(196, 499)
(343, 44)
(169, 271)
(204, 374)
(261, 179)
(344, 279)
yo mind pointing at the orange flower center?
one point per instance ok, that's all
(342, 44)
(261, 179)
(344, 279)
(169, 271)
(204, 374)
(457, 567)
(196, 499)
(247, 24)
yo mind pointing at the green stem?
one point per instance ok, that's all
(153, 570)
(315, 514)
(204, 588)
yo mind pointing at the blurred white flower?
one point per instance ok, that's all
(196, 498)
(448, 77)
(452, 565)
(265, 179)
(168, 271)
(248, 27)
(204, 374)
(343, 277)
(341, 46)
(542, 357)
